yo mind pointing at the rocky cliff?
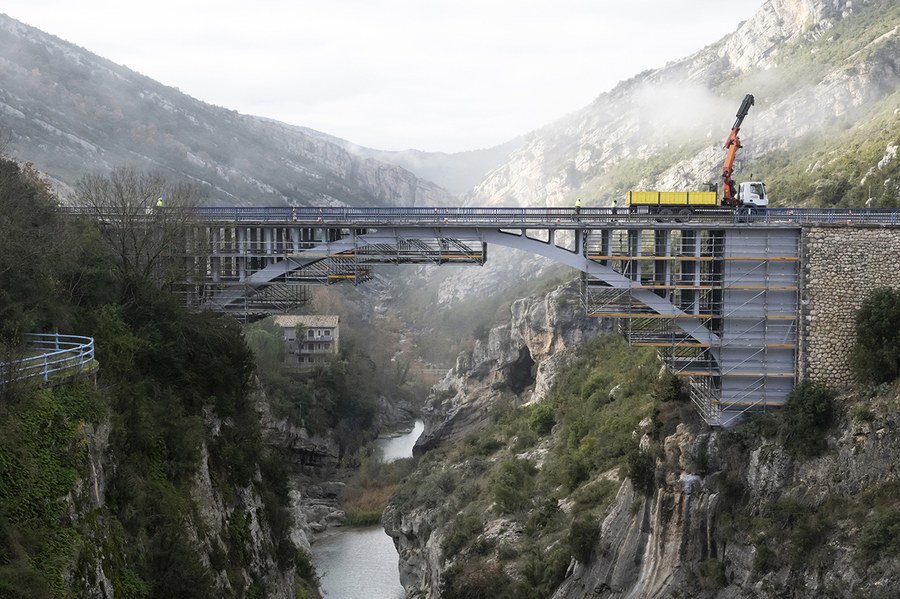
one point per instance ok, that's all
(521, 356)
(225, 522)
(745, 518)
(718, 514)
(515, 365)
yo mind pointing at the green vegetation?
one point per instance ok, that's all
(41, 456)
(583, 533)
(584, 435)
(35, 265)
(798, 528)
(876, 356)
(836, 168)
(880, 535)
(795, 532)
(172, 385)
(338, 398)
(801, 427)
(808, 414)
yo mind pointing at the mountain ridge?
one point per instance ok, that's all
(817, 69)
(71, 112)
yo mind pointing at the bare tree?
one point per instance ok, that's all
(143, 218)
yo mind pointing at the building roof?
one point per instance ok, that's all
(287, 321)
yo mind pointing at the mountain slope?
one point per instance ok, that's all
(71, 112)
(820, 71)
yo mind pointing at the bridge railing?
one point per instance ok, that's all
(538, 216)
(53, 355)
(819, 216)
(522, 216)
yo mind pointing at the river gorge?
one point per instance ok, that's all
(355, 562)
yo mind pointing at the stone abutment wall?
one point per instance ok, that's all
(841, 266)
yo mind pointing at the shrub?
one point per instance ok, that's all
(597, 493)
(583, 534)
(542, 571)
(640, 468)
(668, 387)
(462, 533)
(541, 418)
(712, 574)
(543, 517)
(880, 536)
(513, 484)
(809, 411)
(475, 580)
(876, 356)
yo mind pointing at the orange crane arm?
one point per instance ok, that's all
(732, 144)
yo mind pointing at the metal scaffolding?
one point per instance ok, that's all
(737, 285)
(219, 264)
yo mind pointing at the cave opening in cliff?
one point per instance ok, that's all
(520, 374)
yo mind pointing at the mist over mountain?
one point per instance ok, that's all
(823, 131)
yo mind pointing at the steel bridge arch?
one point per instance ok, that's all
(506, 237)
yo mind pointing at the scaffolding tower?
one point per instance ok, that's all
(736, 285)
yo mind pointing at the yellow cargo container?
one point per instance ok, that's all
(643, 198)
(672, 198)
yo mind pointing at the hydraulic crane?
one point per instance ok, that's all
(682, 204)
(732, 144)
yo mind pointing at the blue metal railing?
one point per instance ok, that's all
(519, 216)
(56, 356)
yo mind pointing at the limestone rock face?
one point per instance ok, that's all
(650, 547)
(420, 563)
(207, 527)
(521, 356)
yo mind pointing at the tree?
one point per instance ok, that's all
(808, 413)
(143, 218)
(32, 244)
(876, 357)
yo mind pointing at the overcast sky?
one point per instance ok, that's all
(392, 74)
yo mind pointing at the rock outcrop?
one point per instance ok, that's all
(518, 361)
(520, 357)
(753, 521)
(211, 528)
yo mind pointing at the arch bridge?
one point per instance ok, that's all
(716, 293)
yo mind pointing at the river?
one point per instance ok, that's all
(361, 562)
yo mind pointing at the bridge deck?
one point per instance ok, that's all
(718, 294)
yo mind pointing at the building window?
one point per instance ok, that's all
(328, 332)
(310, 334)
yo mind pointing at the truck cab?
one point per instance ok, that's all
(752, 194)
